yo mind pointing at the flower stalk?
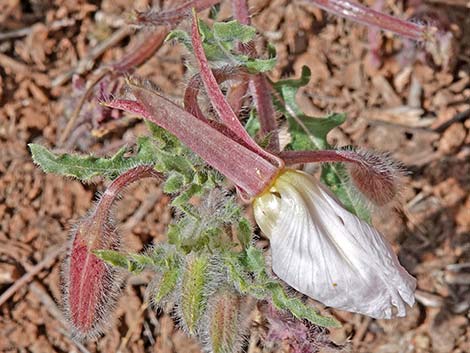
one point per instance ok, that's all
(248, 170)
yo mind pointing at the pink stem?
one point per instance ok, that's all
(322, 156)
(190, 97)
(362, 14)
(259, 86)
(247, 169)
(123, 180)
(218, 100)
(261, 91)
(241, 12)
(150, 43)
(193, 88)
(175, 15)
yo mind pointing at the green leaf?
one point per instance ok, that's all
(255, 262)
(180, 36)
(253, 125)
(193, 287)
(87, 167)
(181, 201)
(244, 232)
(219, 45)
(310, 133)
(113, 258)
(240, 278)
(233, 31)
(167, 283)
(173, 183)
(169, 161)
(300, 310)
(255, 65)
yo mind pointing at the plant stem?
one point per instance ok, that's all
(259, 86)
(362, 14)
(246, 168)
(173, 16)
(218, 100)
(322, 156)
(125, 179)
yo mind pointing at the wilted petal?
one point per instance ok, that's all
(329, 254)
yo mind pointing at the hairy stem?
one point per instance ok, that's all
(259, 86)
(362, 14)
(218, 100)
(194, 86)
(124, 180)
(175, 15)
(246, 168)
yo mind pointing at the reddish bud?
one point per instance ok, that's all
(92, 287)
(375, 175)
(226, 322)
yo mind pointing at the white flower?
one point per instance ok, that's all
(329, 254)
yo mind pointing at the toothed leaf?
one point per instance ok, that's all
(86, 167)
(232, 31)
(300, 310)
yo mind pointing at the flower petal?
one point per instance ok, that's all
(329, 254)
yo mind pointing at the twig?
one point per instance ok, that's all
(131, 329)
(15, 66)
(27, 277)
(78, 107)
(459, 117)
(88, 61)
(428, 299)
(361, 331)
(22, 32)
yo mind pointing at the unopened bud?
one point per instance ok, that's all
(194, 289)
(375, 175)
(226, 322)
(91, 286)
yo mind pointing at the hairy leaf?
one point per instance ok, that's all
(220, 42)
(86, 167)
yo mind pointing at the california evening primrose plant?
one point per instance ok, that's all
(210, 273)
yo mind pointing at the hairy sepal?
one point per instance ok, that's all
(226, 322)
(198, 282)
(91, 287)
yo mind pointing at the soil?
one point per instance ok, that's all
(396, 101)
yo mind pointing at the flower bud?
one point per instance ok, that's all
(226, 322)
(376, 176)
(91, 286)
(194, 289)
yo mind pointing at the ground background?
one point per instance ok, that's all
(394, 107)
